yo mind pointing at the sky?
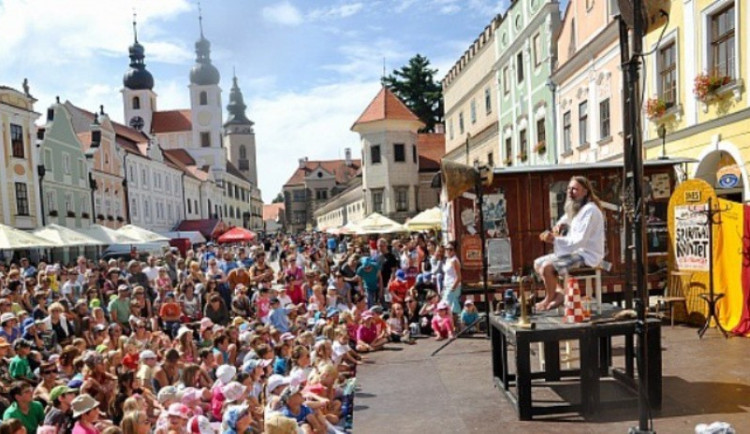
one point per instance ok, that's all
(307, 68)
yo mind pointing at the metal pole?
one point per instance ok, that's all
(483, 238)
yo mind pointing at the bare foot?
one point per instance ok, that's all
(558, 301)
(439, 338)
(542, 305)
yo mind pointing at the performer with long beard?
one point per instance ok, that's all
(577, 238)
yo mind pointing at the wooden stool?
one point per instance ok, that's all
(592, 276)
(679, 282)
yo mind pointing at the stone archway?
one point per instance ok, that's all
(720, 156)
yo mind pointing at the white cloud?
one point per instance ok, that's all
(313, 123)
(283, 13)
(365, 61)
(334, 12)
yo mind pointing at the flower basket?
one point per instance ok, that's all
(655, 108)
(110, 218)
(100, 216)
(71, 214)
(120, 219)
(84, 215)
(540, 147)
(522, 156)
(705, 86)
(508, 161)
(53, 213)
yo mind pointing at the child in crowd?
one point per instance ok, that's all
(469, 314)
(442, 322)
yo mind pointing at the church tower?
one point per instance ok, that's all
(138, 97)
(205, 105)
(239, 137)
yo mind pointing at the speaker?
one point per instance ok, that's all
(651, 12)
(457, 178)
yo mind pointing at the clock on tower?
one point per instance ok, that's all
(136, 122)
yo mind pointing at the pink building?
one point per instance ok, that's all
(589, 84)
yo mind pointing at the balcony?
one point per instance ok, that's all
(244, 164)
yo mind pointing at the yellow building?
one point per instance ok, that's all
(696, 101)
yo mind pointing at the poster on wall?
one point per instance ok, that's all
(691, 239)
(494, 211)
(447, 221)
(471, 252)
(499, 257)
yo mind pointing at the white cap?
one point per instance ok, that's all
(277, 380)
(147, 354)
(225, 373)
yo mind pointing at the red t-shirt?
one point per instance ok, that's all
(169, 310)
(130, 361)
(399, 290)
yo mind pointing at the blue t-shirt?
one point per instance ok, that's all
(369, 274)
(279, 365)
(469, 317)
(301, 417)
(331, 244)
(279, 319)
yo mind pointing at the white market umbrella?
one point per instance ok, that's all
(378, 224)
(108, 236)
(12, 239)
(427, 219)
(61, 236)
(195, 237)
(141, 235)
(349, 228)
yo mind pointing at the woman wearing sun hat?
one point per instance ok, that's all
(85, 414)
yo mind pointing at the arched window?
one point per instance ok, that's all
(203, 98)
(243, 152)
(136, 103)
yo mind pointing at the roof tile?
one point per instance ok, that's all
(337, 167)
(171, 121)
(386, 106)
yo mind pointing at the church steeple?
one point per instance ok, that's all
(236, 106)
(203, 73)
(137, 77)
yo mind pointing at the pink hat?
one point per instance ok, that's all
(199, 425)
(206, 323)
(179, 410)
(442, 305)
(233, 391)
(367, 314)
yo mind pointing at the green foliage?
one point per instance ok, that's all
(278, 199)
(415, 84)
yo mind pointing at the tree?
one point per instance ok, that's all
(278, 199)
(414, 83)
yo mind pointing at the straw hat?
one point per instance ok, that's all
(82, 404)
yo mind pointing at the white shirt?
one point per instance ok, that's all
(585, 235)
(151, 272)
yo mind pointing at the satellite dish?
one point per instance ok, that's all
(651, 12)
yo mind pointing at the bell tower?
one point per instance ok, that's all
(138, 97)
(239, 137)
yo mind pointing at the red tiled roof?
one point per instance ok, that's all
(171, 121)
(337, 167)
(431, 149)
(272, 211)
(184, 161)
(386, 106)
(127, 137)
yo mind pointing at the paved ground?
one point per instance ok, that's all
(404, 390)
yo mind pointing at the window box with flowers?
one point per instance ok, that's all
(656, 108)
(120, 219)
(110, 218)
(71, 214)
(522, 157)
(84, 215)
(541, 147)
(100, 216)
(708, 88)
(508, 161)
(53, 213)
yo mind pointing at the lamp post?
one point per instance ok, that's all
(662, 131)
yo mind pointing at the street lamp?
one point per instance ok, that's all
(662, 131)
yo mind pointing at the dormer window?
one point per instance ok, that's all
(136, 103)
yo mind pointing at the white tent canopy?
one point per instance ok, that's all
(61, 236)
(427, 219)
(12, 238)
(108, 236)
(195, 237)
(141, 235)
(377, 224)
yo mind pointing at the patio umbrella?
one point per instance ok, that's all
(195, 237)
(140, 234)
(108, 236)
(61, 236)
(236, 235)
(378, 224)
(12, 239)
(349, 228)
(427, 219)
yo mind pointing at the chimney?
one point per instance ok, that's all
(348, 156)
(302, 162)
(439, 129)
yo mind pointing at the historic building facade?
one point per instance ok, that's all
(696, 87)
(526, 50)
(470, 99)
(20, 204)
(66, 188)
(588, 79)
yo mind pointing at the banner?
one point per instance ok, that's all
(728, 264)
(691, 240)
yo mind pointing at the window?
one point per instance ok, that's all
(48, 160)
(506, 80)
(414, 153)
(722, 55)
(667, 64)
(604, 119)
(377, 201)
(298, 195)
(243, 152)
(375, 154)
(566, 132)
(144, 178)
(537, 49)
(82, 168)
(69, 202)
(583, 118)
(487, 101)
(299, 217)
(189, 207)
(541, 131)
(51, 202)
(402, 199)
(321, 194)
(399, 153)
(136, 103)
(450, 128)
(519, 66)
(16, 140)
(461, 123)
(22, 199)
(473, 107)
(66, 164)
(523, 143)
(134, 207)
(206, 140)
(490, 160)
(131, 178)
(508, 148)
(203, 98)
(195, 205)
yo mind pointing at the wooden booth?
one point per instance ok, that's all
(522, 202)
